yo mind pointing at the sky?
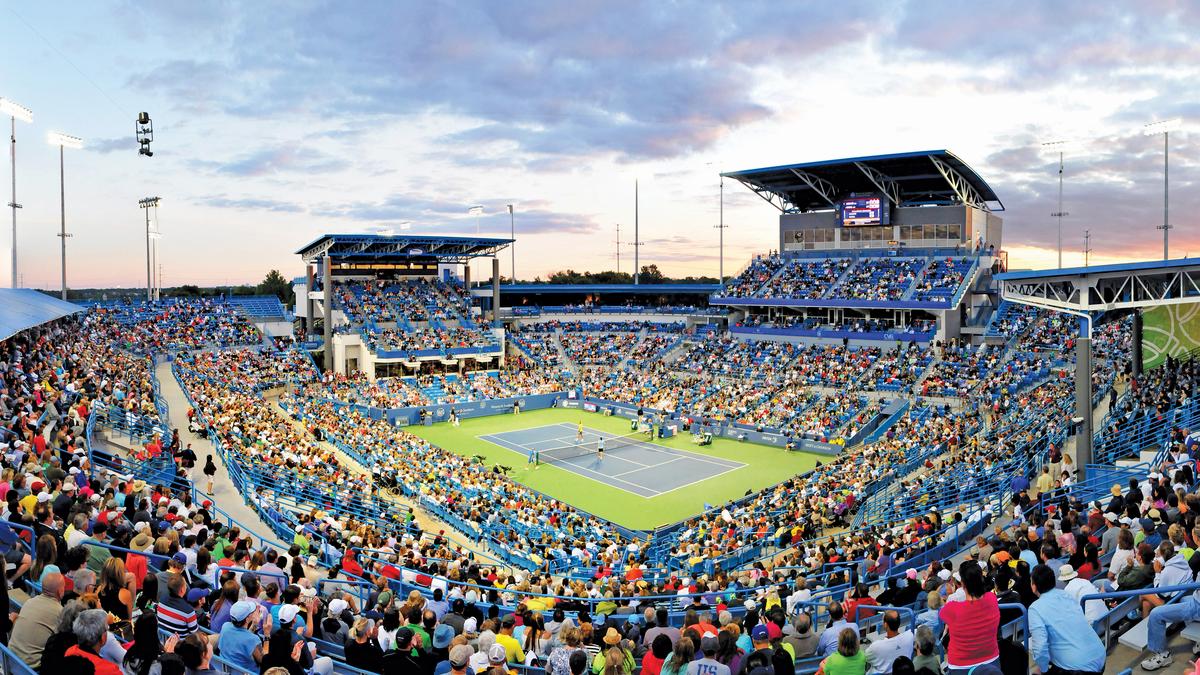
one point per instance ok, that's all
(276, 122)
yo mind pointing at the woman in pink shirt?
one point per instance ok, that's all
(972, 623)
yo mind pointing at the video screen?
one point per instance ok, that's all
(858, 211)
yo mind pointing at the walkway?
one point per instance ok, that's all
(225, 494)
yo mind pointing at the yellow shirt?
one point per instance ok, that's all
(512, 648)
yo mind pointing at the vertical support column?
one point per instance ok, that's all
(1083, 397)
(327, 294)
(309, 278)
(1137, 342)
(495, 291)
(467, 286)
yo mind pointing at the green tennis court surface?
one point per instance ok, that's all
(691, 477)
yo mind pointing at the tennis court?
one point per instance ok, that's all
(632, 464)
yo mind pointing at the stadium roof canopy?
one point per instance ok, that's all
(550, 289)
(24, 308)
(383, 247)
(927, 177)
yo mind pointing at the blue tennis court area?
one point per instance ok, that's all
(634, 465)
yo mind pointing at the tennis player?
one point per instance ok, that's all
(535, 457)
(600, 449)
(579, 433)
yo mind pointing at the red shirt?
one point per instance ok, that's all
(972, 625)
(102, 667)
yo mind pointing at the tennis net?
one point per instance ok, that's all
(590, 447)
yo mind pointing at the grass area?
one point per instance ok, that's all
(1173, 330)
(765, 466)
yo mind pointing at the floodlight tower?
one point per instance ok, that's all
(147, 204)
(15, 112)
(1164, 127)
(1058, 145)
(63, 141)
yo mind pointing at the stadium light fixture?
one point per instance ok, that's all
(63, 141)
(15, 111)
(476, 211)
(1059, 146)
(1165, 127)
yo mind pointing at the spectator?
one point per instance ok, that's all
(708, 665)
(883, 651)
(831, 636)
(801, 636)
(37, 621)
(682, 655)
(239, 640)
(1061, 639)
(927, 657)
(972, 623)
(91, 630)
(653, 660)
(848, 659)
(175, 614)
(362, 649)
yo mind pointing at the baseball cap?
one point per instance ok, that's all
(496, 655)
(460, 656)
(287, 613)
(470, 626)
(179, 557)
(196, 595)
(708, 643)
(242, 609)
(1110, 517)
(337, 606)
(774, 632)
(759, 633)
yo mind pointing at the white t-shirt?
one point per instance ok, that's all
(883, 651)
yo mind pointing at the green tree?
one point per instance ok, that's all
(275, 284)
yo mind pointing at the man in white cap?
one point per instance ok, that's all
(1108, 540)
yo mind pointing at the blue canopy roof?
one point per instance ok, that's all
(649, 289)
(25, 308)
(925, 177)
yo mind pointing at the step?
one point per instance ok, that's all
(1135, 637)
(1191, 631)
(1147, 455)
(1127, 462)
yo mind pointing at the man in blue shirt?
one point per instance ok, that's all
(1060, 636)
(828, 642)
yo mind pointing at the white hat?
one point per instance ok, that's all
(309, 592)
(43, 497)
(338, 606)
(1110, 517)
(73, 470)
(140, 525)
(287, 613)
(1067, 573)
(69, 486)
(944, 575)
(180, 525)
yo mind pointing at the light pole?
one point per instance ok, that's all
(721, 228)
(15, 112)
(1087, 246)
(146, 204)
(1058, 145)
(63, 141)
(1165, 127)
(512, 248)
(618, 248)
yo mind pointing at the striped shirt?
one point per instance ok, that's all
(177, 616)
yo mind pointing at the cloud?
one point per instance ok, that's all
(285, 158)
(105, 146)
(631, 80)
(252, 203)
(533, 217)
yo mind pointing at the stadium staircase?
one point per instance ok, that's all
(628, 355)
(840, 280)
(917, 279)
(564, 358)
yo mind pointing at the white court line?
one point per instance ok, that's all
(700, 481)
(652, 466)
(595, 475)
(725, 463)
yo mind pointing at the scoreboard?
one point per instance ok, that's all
(857, 211)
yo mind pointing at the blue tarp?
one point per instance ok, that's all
(24, 308)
